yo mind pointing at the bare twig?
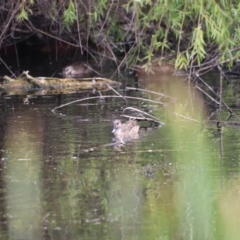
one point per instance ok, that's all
(78, 27)
(116, 92)
(109, 96)
(220, 93)
(142, 115)
(96, 148)
(188, 118)
(153, 92)
(7, 67)
(197, 87)
(229, 109)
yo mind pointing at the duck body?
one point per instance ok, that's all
(77, 70)
(125, 131)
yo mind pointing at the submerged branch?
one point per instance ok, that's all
(204, 92)
(106, 96)
(117, 92)
(153, 92)
(189, 118)
(223, 102)
(142, 116)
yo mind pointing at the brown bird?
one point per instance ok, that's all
(77, 70)
(125, 131)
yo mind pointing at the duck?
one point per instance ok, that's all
(125, 131)
(77, 69)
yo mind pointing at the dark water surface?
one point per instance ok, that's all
(180, 181)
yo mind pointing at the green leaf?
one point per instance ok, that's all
(69, 14)
(23, 15)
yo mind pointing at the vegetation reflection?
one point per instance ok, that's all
(185, 208)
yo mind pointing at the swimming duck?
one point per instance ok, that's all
(77, 70)
(125, 131)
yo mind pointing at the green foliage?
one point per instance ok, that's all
(69, 15)
(22, 15)
(102, 7)
(198, 45)
(190, 29)
(181, 61)
(24, 10)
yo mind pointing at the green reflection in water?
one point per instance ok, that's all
(23, 198)
(199, 202)
(194, 191)
(109, 195)
(195, 158)
(185, 208)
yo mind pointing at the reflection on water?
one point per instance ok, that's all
(169, 184)
(22, 157)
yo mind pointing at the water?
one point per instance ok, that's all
(59, 180)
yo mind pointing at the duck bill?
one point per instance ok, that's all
(114, 130)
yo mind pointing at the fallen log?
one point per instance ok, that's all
(48, 85)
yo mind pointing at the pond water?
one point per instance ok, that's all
(62, 179)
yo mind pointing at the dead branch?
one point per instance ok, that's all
(153, 92)
(142, 115)
(106, 96)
